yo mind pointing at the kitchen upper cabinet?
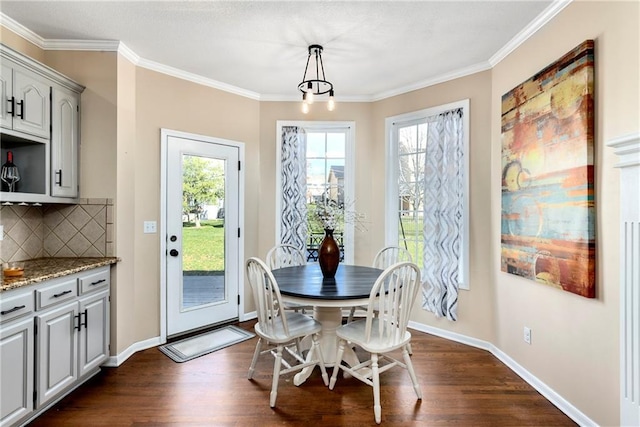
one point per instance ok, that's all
(64, 142)
(26, 102)
(39, 124)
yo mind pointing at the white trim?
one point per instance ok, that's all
(164, 136)
(540, 21)
(119, 359)
(551, 395)
(130, 55)
(391, 170)
(349, 165)
(452, 75)
(109, 45)
(12, 25)
(628, 148)
(195, 78)
(82, 45)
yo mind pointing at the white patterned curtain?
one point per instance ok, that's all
(293, 215)
(443, 214)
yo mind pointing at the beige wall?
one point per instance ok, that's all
(14, 41)
(476, 307)
(166, 102)
(575, 340)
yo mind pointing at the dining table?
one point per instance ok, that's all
(306, 285)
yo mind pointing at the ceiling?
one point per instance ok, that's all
(372, 50)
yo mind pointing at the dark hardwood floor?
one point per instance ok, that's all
(461, 386)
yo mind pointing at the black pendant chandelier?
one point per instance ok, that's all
(312, 87)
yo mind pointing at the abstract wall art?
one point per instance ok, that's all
(548, 211)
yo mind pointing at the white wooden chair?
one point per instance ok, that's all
(384, 258)
(287, 256)
(279, 330)
(393, 294)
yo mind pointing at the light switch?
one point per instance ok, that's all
(149, 227)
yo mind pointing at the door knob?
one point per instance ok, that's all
(173, 252)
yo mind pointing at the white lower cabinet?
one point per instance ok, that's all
(16, 370)
(50, 352)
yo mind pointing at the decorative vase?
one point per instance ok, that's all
(328, 255)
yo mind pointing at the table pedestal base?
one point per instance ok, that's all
(331, 319)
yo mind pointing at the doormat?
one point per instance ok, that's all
(208, 342)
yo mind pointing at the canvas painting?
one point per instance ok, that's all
(548, 211)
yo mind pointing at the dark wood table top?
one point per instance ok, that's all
(350, 282)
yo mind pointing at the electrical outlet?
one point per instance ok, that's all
(527, 335)
(149, 227)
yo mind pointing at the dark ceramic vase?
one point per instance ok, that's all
(328, 255)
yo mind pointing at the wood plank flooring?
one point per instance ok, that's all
(461, 386)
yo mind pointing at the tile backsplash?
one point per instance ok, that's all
(81, 230)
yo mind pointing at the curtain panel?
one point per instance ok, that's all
(443, 213)
(293, 214)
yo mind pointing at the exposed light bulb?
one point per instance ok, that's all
(305, 107)
(331, 105)
(310, 93)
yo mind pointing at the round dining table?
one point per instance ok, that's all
(306, 285)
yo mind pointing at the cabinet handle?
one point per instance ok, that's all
(99, 281)
(68, 291)
(12, 101)
(16, 308)
(22, 107)
(86, 319)
(59, 177)
(79, 325)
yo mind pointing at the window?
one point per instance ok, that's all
(328, 170)
(420, 175)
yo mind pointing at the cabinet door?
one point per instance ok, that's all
(6, 89)
(64, 142)
(94, 335)
(32, 113)
(16, 370)
(57, 347)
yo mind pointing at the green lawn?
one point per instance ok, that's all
(203, 248)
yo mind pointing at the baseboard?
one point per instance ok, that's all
(119, 359)
(561, 403)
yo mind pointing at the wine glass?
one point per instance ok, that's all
(10, 176)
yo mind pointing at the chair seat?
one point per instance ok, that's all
(299, 326)
(354, 332)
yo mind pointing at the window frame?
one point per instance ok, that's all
(392, 125)
(349, 128)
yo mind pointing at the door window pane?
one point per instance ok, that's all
(203, 243)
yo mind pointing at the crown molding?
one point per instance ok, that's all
(196, 78)
(541, 20)
(456, 74)
(117, 46)
(85, 45)
(21, 30)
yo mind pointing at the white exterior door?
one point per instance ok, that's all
(202, 232)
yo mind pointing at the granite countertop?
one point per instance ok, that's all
(41, 269)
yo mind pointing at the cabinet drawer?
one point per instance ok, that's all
(93, 282)
(16, 306)
(56, 293)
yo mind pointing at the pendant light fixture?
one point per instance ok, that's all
(313, 87)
